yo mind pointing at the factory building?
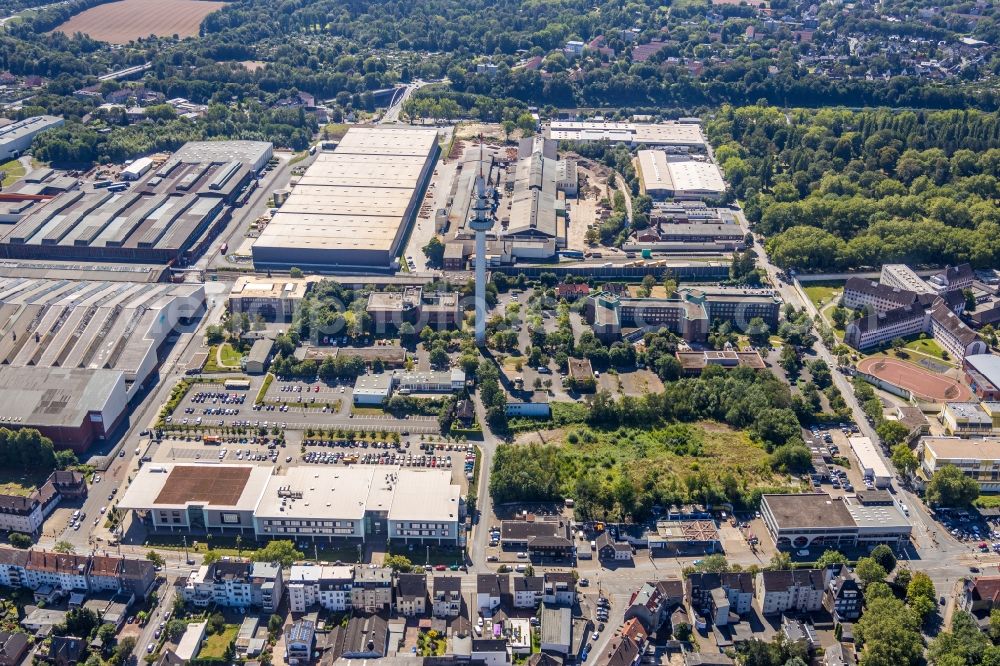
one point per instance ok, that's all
(17, 137)
(353, 207)
(75, 352)
(671, 135)
(527, 198)
(664, 176)
(169, 216)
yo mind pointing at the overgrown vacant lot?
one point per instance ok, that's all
(121, 22)
(632, 469)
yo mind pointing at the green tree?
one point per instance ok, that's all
(885, 558)
(216, 623)
(434, 251)
(19, 540)
(891, 433)
(274, 624)
(175, 629)
(279, 550)
(889, 633)
(211, 557)
(920, 586)
(831, 557)
(903, 458)
(781, 561)
(295, 272)
(398, 563)
(155, 558)
(107, 632)
(964, 643)
(63, 547)
(951, 488)
(869, 571)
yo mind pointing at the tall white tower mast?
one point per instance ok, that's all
(481, 222)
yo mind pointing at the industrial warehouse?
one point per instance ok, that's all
(666, 176)
(17, 137)
(74, 352)
(362, 502)
(672, 135)
(168, 217)
(353, 207)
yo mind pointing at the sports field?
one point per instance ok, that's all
(922, 383)
(121, 22)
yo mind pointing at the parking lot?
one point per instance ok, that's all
(459, 458)
(291, 405)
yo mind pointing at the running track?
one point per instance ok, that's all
(915, 379)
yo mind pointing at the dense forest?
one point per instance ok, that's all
(835, 189)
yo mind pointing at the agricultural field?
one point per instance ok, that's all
(124, 21)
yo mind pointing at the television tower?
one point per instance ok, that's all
(481, 222)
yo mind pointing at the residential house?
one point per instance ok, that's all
(234, 584)
(623, 651)
(13, 563)
(528, 591)
(364, 637)
(780, 592)
(717, 597)
(66, 650)
(447, 597)
(490, 652)
(571, 292)
(137, 577)
(411, 594)
(105, 573)
(490, 590)
(372, 590)
(981, 594)
(327, 586)
(560, 588)
(635, 630)
(299, 639)
(654, 601)
(27, 513)
(13, 648)
(63, 572)
(843, 598)
(610, 549)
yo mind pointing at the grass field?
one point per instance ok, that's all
(229, 356)
(126, 20)
(215, 645)
(822, 293)
(13, 171)
(927, 346)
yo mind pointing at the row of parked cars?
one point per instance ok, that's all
(216, 397)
